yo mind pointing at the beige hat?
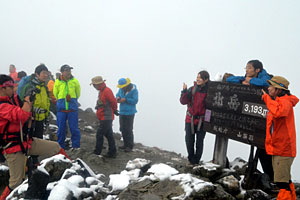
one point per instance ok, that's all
(97, 80)
(279, 82)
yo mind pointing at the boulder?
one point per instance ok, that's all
(230, 184)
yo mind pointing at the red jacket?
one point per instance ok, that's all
(195, 103)
(106, 104)
(282, 140)
(14, 114)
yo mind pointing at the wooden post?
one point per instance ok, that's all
(220, 150)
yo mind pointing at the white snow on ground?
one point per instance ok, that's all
(3, 168)
(210, 166)
(161, 171)
(118, 181)
(237, 163)
(137, 163)
(189, 184)
(61, 189)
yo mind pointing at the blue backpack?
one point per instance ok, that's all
(22, 83)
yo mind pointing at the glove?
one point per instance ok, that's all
(116, 112)
(37, 110)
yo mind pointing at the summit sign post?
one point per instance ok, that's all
(236, 112)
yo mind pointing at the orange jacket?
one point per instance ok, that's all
(282, 140)
(50, 89)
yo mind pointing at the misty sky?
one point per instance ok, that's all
(158, 44)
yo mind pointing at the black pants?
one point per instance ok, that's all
(105, 129)
(38, 129)
(126, 128)
(266, 163)
(194, 156)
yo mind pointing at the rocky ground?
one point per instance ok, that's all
(88, 126)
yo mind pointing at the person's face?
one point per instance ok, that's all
(273, 91)
(42, 76)
(11, 69)
(200, 81)
(251, 71)
(67, 74)
(7, 91)
(97, 86)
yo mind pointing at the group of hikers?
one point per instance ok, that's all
(280, 142)
(25, 104)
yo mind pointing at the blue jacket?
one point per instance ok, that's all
(261, 79)
(132, 97)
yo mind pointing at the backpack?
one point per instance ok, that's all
(24, 81)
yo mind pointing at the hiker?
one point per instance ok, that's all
(280, 140)
(256, 75)
(127, 97)
(50, 85)
(41, 103)
(15, 141)
(21, 74)
(13, 72)
(67, 91)
(194, 98)
(106, 107)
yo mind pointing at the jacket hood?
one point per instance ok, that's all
(262, 73)
(292, 98)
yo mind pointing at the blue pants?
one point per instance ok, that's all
(72, 118)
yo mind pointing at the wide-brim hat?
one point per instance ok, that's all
(97, 80)
(123, 82)
(279, 82)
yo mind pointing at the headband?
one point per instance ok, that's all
(7, 84)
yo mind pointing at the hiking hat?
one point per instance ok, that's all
(123, 82)
(97, 80)
(279, 82)
(65, 67)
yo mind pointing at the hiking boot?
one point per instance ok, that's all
(110, 155)
(127, 149)
(96, 152)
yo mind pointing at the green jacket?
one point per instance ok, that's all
(61, 89)
(41, 104)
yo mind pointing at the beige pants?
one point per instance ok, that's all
(282, 168)
(17, 161)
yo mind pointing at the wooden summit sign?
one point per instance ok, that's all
(237, 112)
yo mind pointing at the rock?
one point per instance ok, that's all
(256, 194)
(37, 185)
(89, 129)
(220, 194)
(4, 176)
(89, 110)
(207, 170)
(148, 189)
(225, 172)
(230, 184)
(239, 165)
(56, 169)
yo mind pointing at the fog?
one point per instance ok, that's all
(158, 44)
